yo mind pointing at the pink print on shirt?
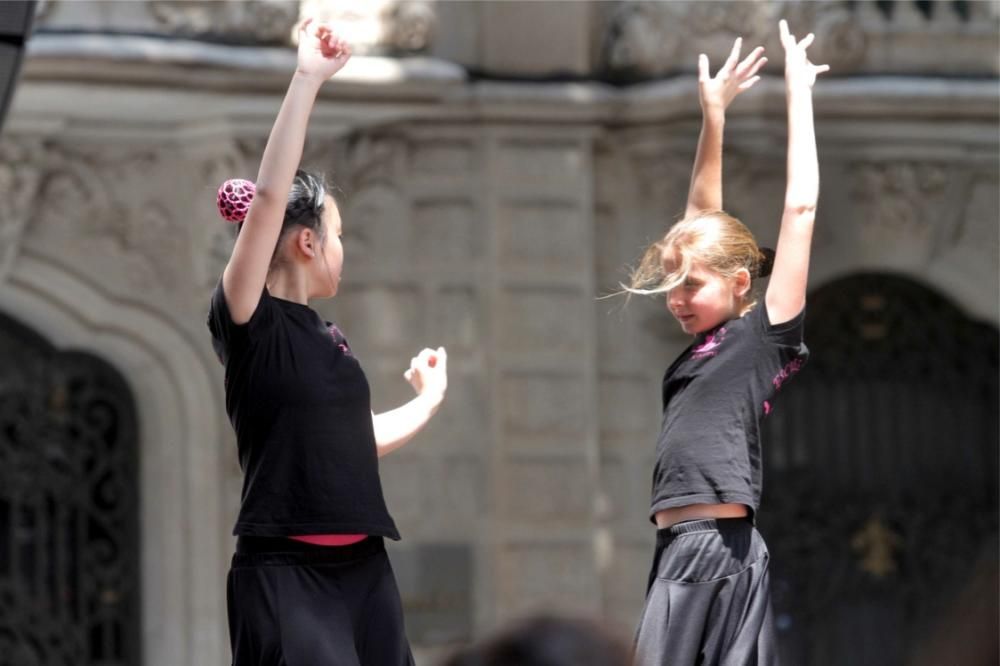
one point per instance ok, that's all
(339, 338)
(710, 347)
(786, 373)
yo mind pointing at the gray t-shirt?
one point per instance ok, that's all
(715, 396)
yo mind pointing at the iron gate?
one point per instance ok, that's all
(69, 590)
(880, 477)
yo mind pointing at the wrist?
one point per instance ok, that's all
(431, 399)
(309, 79)
(798, 87)
(714, 112)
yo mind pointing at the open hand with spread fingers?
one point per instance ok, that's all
(735, 76)
(798, 70)
(321, 52)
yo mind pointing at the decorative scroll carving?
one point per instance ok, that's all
(648, 39)
(114, 197)
(397, 26)
(900, 194)
(252, 21)
(410, 26)
(19, 178)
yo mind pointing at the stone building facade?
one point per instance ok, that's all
(499, 165)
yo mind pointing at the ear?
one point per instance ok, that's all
(741, 282)
(306, 242)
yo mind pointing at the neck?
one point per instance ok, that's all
(288, 285)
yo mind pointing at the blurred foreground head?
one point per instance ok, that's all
(547, 641)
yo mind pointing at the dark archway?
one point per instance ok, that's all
(69, 578)
(881, 475)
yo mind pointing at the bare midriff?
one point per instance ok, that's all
(678, 514)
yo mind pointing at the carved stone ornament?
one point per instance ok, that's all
(900, 193)
(20, 172)
(237, 21)
(648, 39)
(116, 198)
(371, 26)
(410, 27)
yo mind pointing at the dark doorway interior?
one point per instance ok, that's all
(880, 499)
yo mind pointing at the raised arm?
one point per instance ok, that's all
(321, 55)
(715, 94)
(786, 292)
(428, 374)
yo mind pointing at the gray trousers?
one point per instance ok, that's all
(708, 600)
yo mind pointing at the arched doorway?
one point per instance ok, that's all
(881, 474)
(69, 591)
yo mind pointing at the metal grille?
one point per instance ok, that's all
(69, 590)
(880, 472)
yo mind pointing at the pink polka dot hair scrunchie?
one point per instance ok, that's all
(234, 199)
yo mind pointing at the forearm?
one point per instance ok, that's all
(284, 146)
(802, 190)
(396, 427)
(246, 272)
(705, 192)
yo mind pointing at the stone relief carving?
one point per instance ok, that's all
(401, 26)
(653, 38)
(903, 208)
(114, 198)
(410, 26)
(376, 158)
(256, 21)
(899, 191)
(20, 172)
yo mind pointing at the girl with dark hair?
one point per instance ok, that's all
(310, 581)
(708, 600)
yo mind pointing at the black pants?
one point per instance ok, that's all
(708, 600)
(296, 604)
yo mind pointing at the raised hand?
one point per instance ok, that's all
(798, 70)
(428, 373)
(716, 93)
(321, 52)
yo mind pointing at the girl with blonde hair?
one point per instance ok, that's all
(708, 600)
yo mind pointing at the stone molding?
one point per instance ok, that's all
(373, 26)
(628, 40)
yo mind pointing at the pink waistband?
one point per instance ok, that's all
(330, 539)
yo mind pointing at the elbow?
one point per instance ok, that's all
(800, 209)
(265, 192)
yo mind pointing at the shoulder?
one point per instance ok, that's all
(786, 332)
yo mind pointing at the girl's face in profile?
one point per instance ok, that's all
(705, 299)
(331, 263)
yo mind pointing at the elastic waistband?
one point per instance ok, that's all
(668, 534)
(257, 551)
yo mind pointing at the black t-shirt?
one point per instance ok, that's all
(714, 397)
(301, 408)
